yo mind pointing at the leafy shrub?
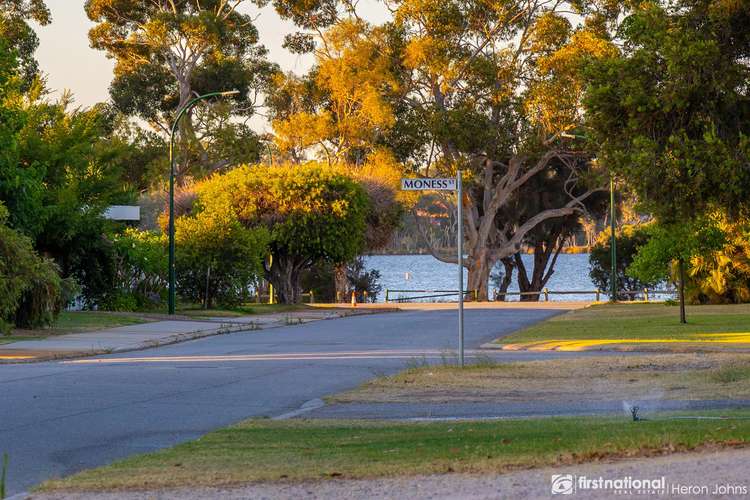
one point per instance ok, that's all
(31, 290)
(141, 269)
(715, 249)
(321, 280)
(722, 275)
(217, 259)
(363, 281)
(629, 239)
(42, 300)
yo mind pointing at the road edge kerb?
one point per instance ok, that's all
(188, 336)
(24, 495)
(308, 406)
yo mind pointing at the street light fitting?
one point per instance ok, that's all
(181, 112)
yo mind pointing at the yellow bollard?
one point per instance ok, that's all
(354, 299)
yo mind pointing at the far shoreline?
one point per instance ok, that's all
(568, 251)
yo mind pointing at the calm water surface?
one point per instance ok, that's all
(427, 273)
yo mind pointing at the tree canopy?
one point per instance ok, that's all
(312, 212)
(671, 112)
(20, 37)
(166, 53)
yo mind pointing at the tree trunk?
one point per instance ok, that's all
(508, 267)
(543, 269)
(285, 276)
(341, 283)
(526, 285)
(683, 318)
(479, 265)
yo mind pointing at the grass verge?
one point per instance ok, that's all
(243, 310)
(639, 326)
(264, 450)
(75, 322)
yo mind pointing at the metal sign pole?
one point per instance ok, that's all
(459, 195)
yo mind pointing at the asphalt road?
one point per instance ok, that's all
(57, 418)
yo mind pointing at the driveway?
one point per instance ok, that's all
(57, 418)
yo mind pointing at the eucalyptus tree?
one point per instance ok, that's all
(547, 240)
(15, 16)
(488, 87)
(168, 51)
(498, 85)
(340, 110)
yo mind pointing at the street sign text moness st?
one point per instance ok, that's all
(428, 184)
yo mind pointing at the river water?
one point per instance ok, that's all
(424, 272)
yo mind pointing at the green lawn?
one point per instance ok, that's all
(599, 325)
(93, 320)
(9, 339)
(265, 450)
(75, 322)
(243, 310)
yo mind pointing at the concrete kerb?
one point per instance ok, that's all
(226, 327)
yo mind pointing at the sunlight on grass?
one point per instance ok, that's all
(636, 324)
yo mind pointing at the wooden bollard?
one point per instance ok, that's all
(354, 299)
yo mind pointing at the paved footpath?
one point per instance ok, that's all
(59, 417)
(158, 333)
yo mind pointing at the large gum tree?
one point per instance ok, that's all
(168, 51)
(489, 87)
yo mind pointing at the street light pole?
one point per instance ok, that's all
(460, 245)
(613, 244)
(182, 111)
(612, 227)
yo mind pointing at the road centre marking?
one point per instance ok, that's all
(267, 357)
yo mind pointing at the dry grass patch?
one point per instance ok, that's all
(666, 376)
